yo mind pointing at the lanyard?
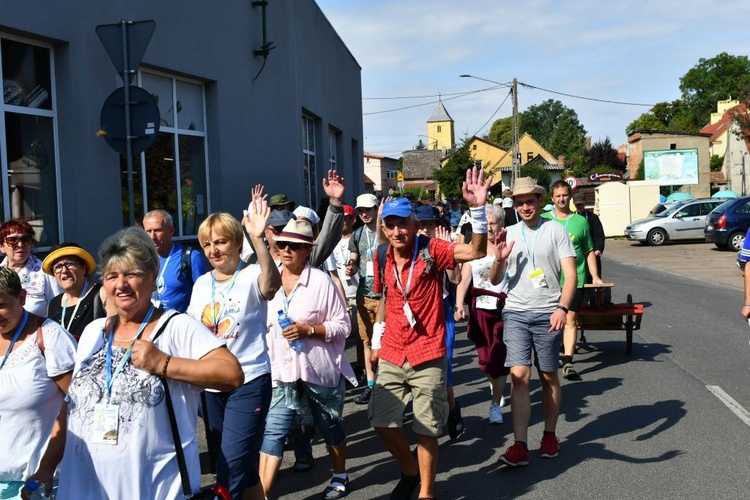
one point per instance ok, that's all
(405, 291)
(126, 355)
(214, 311)
(15, 337)
(288, 300)
(554, 214)
(75, 310)
(160, 280)
(533, 250)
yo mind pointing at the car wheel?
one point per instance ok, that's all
(735, 241)
(656, 237)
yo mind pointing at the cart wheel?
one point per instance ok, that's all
(629, 329)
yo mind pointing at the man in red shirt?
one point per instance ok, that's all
(412, 357)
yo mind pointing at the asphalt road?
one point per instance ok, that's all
(649, 425)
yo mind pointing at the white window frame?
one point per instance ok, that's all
(333, 147)
(309, 129)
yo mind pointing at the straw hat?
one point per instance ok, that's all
(527, 185)
(297, 231)
(68, 250)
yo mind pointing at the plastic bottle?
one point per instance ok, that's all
(36, 490)
(284, 323)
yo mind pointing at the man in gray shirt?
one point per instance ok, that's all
(534, 253)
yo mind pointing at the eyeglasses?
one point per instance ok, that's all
(61, 266)
(529, 202)
(14, 240)
(292, 246)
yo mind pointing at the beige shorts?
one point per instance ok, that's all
(367, 309)
(394, 385)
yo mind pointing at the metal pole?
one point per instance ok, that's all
(743, 175)
(515, 170)
(128, 132)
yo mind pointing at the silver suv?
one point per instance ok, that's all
(683, 221)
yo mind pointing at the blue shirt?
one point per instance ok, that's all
(179, 286)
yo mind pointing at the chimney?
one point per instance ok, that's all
(561, 161)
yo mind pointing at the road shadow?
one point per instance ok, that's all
(601, 355)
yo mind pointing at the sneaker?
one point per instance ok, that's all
(515, 455)
(550, 447)
(455, 422)
(496, 414)
(570, 373)
(363, 398)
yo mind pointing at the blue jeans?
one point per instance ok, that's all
(237, 421)
(324, 401)
(450, 338)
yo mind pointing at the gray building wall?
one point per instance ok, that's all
(253, 124)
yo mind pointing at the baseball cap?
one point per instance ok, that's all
(349, 210)
(367, 200)
(507, 202)
(280, 218)
(427, 212)
(400, 207)
(279, 200)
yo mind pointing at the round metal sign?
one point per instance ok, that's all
(144, 120)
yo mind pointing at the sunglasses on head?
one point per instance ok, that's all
(13, 240)
(292, 246)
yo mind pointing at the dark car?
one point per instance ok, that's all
(727, 225)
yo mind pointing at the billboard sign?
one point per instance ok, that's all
(671, 167)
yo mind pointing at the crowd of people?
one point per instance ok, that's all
(101, 384)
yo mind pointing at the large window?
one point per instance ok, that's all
(333, 148)
(309, 175)
(28, 124)
(174, 178)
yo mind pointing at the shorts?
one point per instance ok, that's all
(525, 331)
(367, 308)
(393, 386)
(575, 305)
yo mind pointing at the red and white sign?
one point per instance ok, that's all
(572, 181)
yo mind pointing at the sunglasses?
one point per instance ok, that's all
(13, 240)
(292, 246)
(61, 266)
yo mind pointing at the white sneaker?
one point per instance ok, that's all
(496, 414)
(503, 401)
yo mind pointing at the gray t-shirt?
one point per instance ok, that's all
(367, 244)
(542, 247)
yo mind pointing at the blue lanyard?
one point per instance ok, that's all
(75, 310)
(536, 237)
(15, 337)
(554, 214)
(215, 312)
(405, 291)
(126, 356)
(160, 280)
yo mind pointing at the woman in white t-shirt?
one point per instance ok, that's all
(119, 442)
(230, 301)
(35, 369)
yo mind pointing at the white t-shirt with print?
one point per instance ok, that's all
(480, 275)
(40, 287)
(30, 399)
(241, 317)
(341, 254)
(143, 463)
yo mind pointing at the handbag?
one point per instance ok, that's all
(209, 492)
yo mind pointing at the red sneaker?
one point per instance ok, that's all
(550, 447)
(515, 455)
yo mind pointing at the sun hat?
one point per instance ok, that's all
(349, 210)
(297, 231)
(278, 200)
(68, 250)
(280, 218)
(367, 200)
(427, 213)
(527, 185)
(507, 202)
(497, 201)
(307, 213)
(400, 207)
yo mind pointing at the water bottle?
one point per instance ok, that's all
(36, 490)
(284, 323)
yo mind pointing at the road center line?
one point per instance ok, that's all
(730, 403)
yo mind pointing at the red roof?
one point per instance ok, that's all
(718, 128)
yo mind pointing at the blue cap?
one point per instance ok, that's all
(427, 212)
(400, 207)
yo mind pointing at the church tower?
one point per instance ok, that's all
(440, 133)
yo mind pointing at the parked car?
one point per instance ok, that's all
(683, 221)
(727, 225)
(662, 207)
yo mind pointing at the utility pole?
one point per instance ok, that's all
(515, 171)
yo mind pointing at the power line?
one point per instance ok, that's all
(533, 87)
(457, 96)
(493, 114)
(410, 97)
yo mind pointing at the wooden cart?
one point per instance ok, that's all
(608, 316)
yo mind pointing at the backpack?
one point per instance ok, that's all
(423, 252)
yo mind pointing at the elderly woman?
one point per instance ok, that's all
(81, 301)
(485, 325)
(17, 237)
(317, 367)
(119, 440)
(231, 301)
(35, 370)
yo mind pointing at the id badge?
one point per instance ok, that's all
(106, 421)
(409, 315)
(369, 269)
(538, 279)
(155, 299)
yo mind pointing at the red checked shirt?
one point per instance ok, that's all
(426, 341)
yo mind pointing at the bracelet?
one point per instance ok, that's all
(312, 330)
(164, 368)
(563, 308)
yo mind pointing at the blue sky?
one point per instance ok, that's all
(620, 51)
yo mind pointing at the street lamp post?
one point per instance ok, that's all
(515, 165)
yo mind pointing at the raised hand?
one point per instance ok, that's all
(258, 193)
(501, 247)
(333, 186)
(442, 234)
(474, 189)
(256, 221)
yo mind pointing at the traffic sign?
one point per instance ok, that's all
(126, 37)
(144, 120)
(400, 177)
(572, 181)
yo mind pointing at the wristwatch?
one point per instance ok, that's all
(564, 309)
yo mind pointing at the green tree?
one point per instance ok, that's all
(540, 175)
(501, 132)
(662, 116)
(716, 163)
(602, 153)
(453, 174)
(554, 126)
(420, 145)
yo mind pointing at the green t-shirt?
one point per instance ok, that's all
(580, 234)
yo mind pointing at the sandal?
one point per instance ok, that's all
(338, 488)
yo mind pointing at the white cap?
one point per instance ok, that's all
(307, 213)
(367, 200)
(498, 201)
(508, 202)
